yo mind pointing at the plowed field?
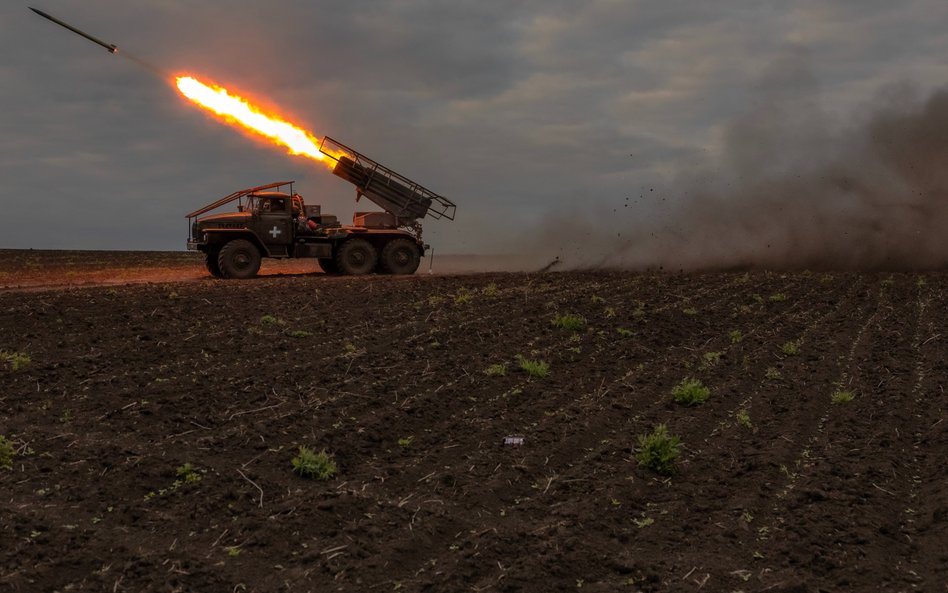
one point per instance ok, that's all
(777, 488)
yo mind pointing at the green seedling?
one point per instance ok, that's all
(271, 320)
(496, 370)
(314, 466)
(596, 299)
(15, 360)
(658, 451)
(568, 322)
(625, 333)
(609, 312)
(690, 392)
(462, 297)
(710, 359)
(690, 311)
(791, 348)
(534, 368)
(643, 522)
(777, 298)
(187, 474)
(7, 453)
(736, 336)
(773, 374)
(743, 418)
(842, 397)
(405, 441)
(300, 334)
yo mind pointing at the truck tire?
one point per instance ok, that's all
(210, 260)
(239, 259)
(400, 256)
(356, 257)
(328, 265)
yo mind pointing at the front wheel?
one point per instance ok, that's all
(400, 256)
(239, 259)
(356, 257)
(210, 260)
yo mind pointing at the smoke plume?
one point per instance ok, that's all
(793, 190)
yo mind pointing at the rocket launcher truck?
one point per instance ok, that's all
(279, 224)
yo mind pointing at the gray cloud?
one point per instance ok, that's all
(521, 112)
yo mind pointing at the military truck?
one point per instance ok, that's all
(279, 224)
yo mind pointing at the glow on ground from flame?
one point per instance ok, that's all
(236, 110)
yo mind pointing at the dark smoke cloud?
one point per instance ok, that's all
(792, 190)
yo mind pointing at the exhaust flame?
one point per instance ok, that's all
(236, 110)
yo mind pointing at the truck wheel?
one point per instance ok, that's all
(328, 265)
(210, 260)
(239, 259)
(400, 256)
(356, 256)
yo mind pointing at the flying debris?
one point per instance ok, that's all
(111, 47)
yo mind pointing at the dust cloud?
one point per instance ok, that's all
(792, 190)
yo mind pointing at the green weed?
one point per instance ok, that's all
(625, 333)
(596, 299)
(690, 392)
(658, 451)
(690, 311)
(609, 312)
(271, 320)
(406, 441)
(736, 336)
(300, 334)
(791, 348)
(777, 298)
(534, 368)
(773, 374)
(315, 466)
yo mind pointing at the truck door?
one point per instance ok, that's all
(275, 223)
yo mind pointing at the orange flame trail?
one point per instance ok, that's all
(234, 109)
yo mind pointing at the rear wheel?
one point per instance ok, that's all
(210, 260)
(356, 256)
(328, 265)
(239, 259)
(400, 256)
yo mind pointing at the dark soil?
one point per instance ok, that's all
(126, 384)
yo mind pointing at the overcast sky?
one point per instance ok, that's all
(520, 112)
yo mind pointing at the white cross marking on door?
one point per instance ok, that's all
(275, 231)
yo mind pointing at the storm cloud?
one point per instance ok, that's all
(630, 123)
